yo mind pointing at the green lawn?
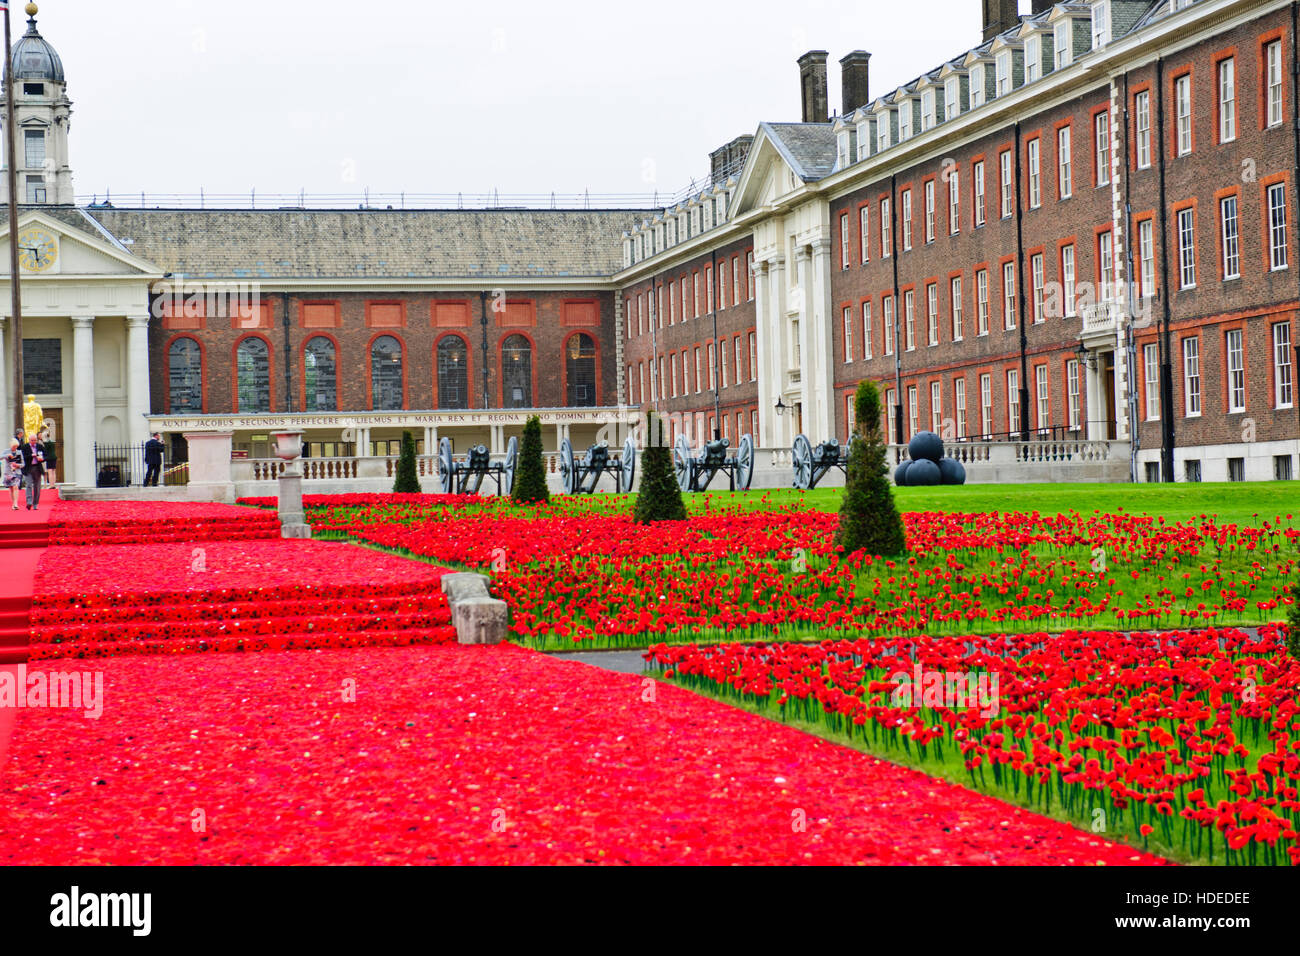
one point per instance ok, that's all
(1231, 501)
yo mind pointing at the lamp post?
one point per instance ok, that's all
(11, 161)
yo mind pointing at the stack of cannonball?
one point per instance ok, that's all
(926, 464)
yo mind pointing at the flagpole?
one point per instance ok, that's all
(11, 161)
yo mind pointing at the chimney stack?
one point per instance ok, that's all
(854, 91)
(999, 16)
(812, 87)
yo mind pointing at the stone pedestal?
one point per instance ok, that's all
(293, 524)
(210, 465)
(478, 617)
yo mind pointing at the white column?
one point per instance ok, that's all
(766, 392)
(431, 439)
(5, 419)
(819, 368)
(776, 357)
(84, 415)
(498, 439)
(137, 378)
(1095, 428)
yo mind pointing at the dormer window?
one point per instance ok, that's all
(905, 121)
(864, 141)
(927, 110)
(977, 85)
(951, 97)
(1100, 24)
(1033, 58)
(1063, 34)
(842, 149)
(882, 132)
(1004, 72)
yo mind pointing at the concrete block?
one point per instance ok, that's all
(464, 586)
(479, 620)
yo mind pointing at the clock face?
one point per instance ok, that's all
(37, 250)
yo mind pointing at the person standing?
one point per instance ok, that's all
(51, 458)
(13, 472)
(33, 453)
(153, 455)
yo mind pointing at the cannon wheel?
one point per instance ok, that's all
(682, 464)
(745, 463)
(446, 466)
(627, 471)
(567, 474)
(801, 453)
(512, 461)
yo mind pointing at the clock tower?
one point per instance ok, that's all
(42, 116)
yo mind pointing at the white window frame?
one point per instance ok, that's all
(866, 329)
(959, 406)
(1183, 113)
(1002, 72)
(929, 211)
(1064, 170)
(1185, 224)
(954, 201)
(1151, 380)
(928, 114)
(1063, 43)
(848, 335)
(1004, 161)
(1044, 398)
(1236, 361)
(1100, 24)
(1227, 100)
(1230, 234)
(954, 290)
(886, 224)
(864, 232)
(1013, 401)
(978, 175)
(913, 411)
(1101, 141)
(1147, 258)
(1283, 377)
(936, 407)
(1277, 227)
(976, 88)
(1035, 152)
(932, 313)
(907, 219)
(982, 301)
(1069, 279)
(845, 245)
(1039, 281)
(1142, 125)
(1072, 394)
(909, 320)
(1033, 57)
(951, 98)
(887, 310)
(1008, 296)
(1192, 377)
(1273, 74)
(1106, 265)
(986, 406)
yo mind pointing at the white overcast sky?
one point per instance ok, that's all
(439, 97)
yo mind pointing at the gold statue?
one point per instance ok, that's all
(33, 417)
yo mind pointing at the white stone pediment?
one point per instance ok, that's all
(766, 177)
(79, 253)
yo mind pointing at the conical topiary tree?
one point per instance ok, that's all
(530, 471)
(869, 520)
(407, 481)
(660, 498)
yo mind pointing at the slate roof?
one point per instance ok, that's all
(809, 148)
(373, 243)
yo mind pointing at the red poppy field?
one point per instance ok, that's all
(1131, 698)
(1121, 690)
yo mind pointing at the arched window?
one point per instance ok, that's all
(318, 375)
(580, 370)
(517, 372)
(453, 373)
(386, 373)
(185, 376)
(253, 373)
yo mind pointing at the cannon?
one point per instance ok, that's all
(465, 476)
(811, 463)
(695, 471)
(581, 475)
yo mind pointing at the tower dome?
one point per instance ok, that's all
(33, 57)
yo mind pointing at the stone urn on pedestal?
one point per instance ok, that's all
(288, 447)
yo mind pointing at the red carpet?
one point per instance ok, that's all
(24, 536)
